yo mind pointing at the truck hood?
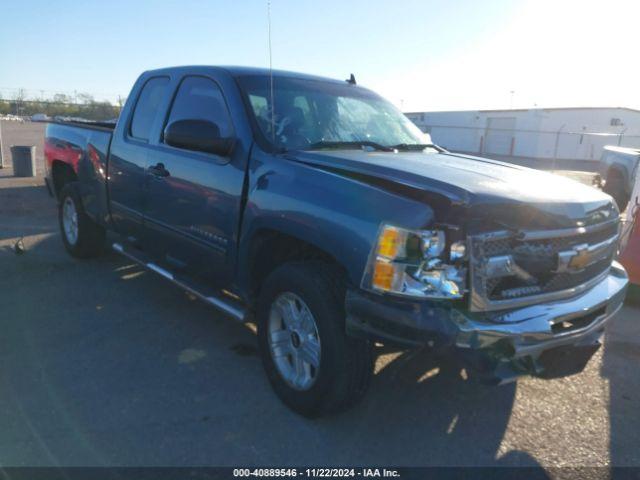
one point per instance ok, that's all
(507, 194)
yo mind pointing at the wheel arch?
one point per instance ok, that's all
(620, 171)
(269, 248)
(61, 174)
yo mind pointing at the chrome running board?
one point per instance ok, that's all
(233, 309)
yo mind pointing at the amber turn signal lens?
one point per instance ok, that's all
(389, 242)
(383, 273)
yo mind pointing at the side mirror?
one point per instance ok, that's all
(198, 135)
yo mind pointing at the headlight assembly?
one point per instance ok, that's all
(412, 263)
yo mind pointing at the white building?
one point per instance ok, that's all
(539, 133)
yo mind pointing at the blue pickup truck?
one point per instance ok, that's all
(315, 209)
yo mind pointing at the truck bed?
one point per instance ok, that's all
(94, 125)
(78, 150)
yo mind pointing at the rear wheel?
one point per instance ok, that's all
(82, 237)
(614, 186)
(312, 365)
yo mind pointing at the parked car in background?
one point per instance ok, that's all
(618, 168)
(314, 208)
(12, 118)
(40, 117)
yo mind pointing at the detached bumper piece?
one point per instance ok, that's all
(547, 340)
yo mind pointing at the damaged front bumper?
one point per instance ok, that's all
(547, 340)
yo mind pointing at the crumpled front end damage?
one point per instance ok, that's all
(546, 340)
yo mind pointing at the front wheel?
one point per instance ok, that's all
(82, 237)
(312, 365)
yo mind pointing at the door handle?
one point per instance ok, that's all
(159, 170)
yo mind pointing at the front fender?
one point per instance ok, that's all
(337, 214)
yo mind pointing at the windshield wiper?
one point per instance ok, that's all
(357, 144)
(408, 147)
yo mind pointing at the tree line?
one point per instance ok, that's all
(82, 105)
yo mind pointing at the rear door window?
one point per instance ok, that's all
(148, 107)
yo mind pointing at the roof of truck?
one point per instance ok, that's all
(238, 71)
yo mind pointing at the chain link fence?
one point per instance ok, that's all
(546, 148)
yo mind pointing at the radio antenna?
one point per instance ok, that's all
(273, 106)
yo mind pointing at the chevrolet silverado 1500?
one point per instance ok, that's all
(315, 209)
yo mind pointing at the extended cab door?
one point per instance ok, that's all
(128, 157)
(194, 198)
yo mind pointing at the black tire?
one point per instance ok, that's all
(614, 186)
(346, 364)
(90, 235)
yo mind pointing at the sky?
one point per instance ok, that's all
(420, 54)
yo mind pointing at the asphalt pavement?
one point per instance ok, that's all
(103, 363)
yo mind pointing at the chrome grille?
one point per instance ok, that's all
(511, 269)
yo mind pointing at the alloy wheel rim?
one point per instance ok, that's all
(294, 341)
(70, 221)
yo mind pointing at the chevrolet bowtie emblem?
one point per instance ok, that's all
(581, 258)
(584, 255)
